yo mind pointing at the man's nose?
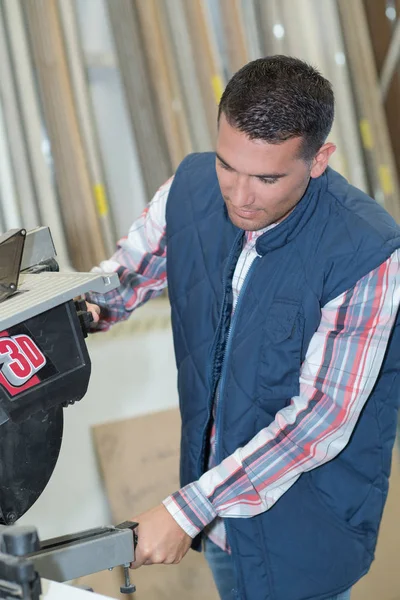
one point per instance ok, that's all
(240, 194)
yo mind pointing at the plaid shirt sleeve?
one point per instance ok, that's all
(340, 369)
(140, 262)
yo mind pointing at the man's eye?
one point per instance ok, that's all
(223, 166)
(266, 180)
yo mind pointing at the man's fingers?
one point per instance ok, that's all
(141, 558)
(94, 310)
(161, 540)
(148, 558)
(137, 563)
(155, 560)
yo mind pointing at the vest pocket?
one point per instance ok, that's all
(304, 543)
(349, 497)
(280, 356)
(281, 320)
(331, 514)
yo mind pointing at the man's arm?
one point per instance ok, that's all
(340, 369)
(140, 262)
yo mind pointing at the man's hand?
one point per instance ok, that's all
(94, 310)
(160, 539)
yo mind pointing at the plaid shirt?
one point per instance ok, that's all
(341, 366)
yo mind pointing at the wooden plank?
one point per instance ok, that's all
(382, 32)
(14, 125)
(73, 181)
(253, 33)
(118, 146)
(79, 81)
(373, 124)
(184, 55)
(140, 94)
(164, 74)
(8, 194)
(207, 67)
(232, 20)
(49, 210)
(270, 14)
(334, 66)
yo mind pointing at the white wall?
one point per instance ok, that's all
(132, 373)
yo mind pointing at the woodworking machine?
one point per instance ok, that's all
(44, 369)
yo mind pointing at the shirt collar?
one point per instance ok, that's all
(251, 236)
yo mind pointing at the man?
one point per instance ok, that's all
(284, 284)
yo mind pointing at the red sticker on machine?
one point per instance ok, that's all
(20, 360)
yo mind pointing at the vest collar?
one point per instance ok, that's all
(290, 227)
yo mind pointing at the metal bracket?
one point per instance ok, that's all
(72, 556)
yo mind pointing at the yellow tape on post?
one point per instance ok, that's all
(386, 180)
(366, 134)
(217, 86)
(101, 199)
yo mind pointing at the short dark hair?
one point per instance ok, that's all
(277, 98)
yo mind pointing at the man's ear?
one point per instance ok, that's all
(321, 159)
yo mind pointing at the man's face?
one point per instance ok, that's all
(261, 183)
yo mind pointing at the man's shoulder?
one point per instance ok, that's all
(356, 236)
(196, 172)
(198, 160)
(357, 212)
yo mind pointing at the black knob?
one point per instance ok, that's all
(19, 541)
(85, 317)
(86, 320)
(128, 588)
(80, 305)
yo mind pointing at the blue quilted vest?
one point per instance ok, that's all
(319, 538)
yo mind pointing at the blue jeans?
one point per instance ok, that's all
(221, 567)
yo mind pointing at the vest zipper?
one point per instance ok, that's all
(226, 359)
(212, 383)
